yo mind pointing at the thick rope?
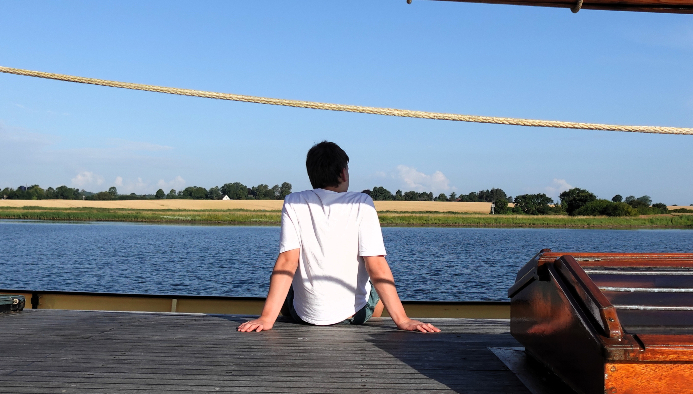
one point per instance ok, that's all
(353, 108)
(577, 7)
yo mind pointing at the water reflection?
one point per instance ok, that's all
(428, 263)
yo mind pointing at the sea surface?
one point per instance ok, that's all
(451, 264)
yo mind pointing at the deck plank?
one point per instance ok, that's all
(85, 351)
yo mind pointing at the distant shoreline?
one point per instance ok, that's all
(256, 205)
(425, 216)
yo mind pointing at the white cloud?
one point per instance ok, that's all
(86, 179)
(30, 156)
(420, 182)
(177, 183)
(141, 186)
(557, 187)
(18, 138)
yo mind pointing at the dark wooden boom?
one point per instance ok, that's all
(666, 6)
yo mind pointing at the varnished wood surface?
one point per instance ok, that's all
(56, 351)
(648, 378)
(232, 305)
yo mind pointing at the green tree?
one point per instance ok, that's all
(642, 204)
(620, 209)
(410, 196)
(400, 197)
(199, 193)
(644, 200)
(187, 192)
(284, 190)
(574, 199)
(471, 197)
(160, 194)
(172, 194)
(35, 192)
(491, 195)
(65, 193)
(235, 191)
(442, 197)
(262, 192)
(606, 208)
(379, 193)
(617, 198)
(501, 206)
(113, 191)
(102, 196)
(660, 208)
(533, 204)
(195, 192)
(214, 193)
(453, 197)
(276, 191)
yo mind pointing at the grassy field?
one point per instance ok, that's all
(432, 214)
(264, 205)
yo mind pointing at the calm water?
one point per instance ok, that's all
(428, 263)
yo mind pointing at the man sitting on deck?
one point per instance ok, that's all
(332, 249)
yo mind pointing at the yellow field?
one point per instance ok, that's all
(265, 205)
(433, 206)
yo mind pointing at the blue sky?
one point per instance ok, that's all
(594, 66)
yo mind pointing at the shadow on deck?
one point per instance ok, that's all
(60, 351)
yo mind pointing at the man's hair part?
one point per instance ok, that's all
(324, 163)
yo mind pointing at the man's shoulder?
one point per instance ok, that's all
(329, 197)
(355, 198)
(361, 197)
(298, 196)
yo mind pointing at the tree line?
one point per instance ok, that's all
(573, 202)
(581, 202)
(379, 193)
(235, 191)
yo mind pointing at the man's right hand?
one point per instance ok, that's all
(415, 325)
(280, 282)
(256, 325)
(381, 276)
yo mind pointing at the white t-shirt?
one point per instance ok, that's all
(333, 230)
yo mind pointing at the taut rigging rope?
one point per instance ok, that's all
(353, 108)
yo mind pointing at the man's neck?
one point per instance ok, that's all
(336, 189)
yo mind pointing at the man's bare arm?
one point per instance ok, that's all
(384, 282)
(280, 282)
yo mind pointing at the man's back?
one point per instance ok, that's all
(330, 244)
(333, 230)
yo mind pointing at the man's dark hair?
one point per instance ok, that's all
(325, 162)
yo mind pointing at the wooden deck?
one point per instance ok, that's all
(59, 351)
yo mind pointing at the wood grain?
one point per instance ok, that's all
(648, 378)
(55, 351)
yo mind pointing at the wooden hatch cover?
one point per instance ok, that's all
(608, 322)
